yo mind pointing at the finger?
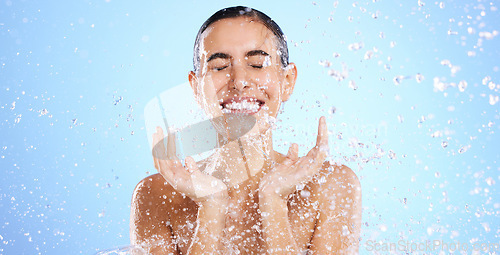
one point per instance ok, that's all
(292, 155)
(294, 152)
(322, 140)
(158, 145)
(166, 170)
(155, 142)
(191, 166)
(155, 149)
(171, 150)
(157, 166)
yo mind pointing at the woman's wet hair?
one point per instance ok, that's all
(242, 11)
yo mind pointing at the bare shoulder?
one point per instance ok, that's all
(150, 189)
(337, 190)
(153, 193)
(337, 182)
(152, 207)
(146, 198)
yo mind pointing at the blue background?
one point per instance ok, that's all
(75, 77)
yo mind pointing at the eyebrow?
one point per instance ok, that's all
(226, 56)
(256, 53)
(218, 55)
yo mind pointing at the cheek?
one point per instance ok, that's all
(271, 84)
(216, 83)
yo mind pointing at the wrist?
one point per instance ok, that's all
(268, 192)
(214, 203)
(269, 201)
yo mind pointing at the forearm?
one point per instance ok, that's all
(209, 228)
(277, 231)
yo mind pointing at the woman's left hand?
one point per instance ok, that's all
(293, 171)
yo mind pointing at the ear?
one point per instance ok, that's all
(289, 82)
(193, 82)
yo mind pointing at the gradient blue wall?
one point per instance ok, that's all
(75, 77)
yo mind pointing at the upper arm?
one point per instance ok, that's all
(149, 225)
(339, 221)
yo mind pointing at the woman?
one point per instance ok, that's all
(246, 198)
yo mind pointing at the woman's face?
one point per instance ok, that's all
(240, 71)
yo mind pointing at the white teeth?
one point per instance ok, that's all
(243, 105)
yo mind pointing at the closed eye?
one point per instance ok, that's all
(257, 66)
(220, 68)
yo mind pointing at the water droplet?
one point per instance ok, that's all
(398, 79)
(392, 154)
(486, 80)
(117, 100)
(340, 136)
(368, 55)
(345, 230)
(437, 174)
(383, 228)
(213, 183)
(488, 35)
(462, 85)
(493, 99)
(463, 149)
(441, 5)
(355, 46)
(332, 110)
(491, 85)
(437, 133)
(353, 85)
(419, 77)
(421, 3)
(422, 119)
(430, 231)
(400, 119)
(339, 76)
(325, 63)
(267, 61)
(490, 181)
(444, 144)
(305, 193)
(486, 226)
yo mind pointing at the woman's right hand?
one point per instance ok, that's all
(187, 179)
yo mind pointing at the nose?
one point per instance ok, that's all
(239, 80)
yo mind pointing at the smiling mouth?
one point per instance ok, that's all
(245, 105)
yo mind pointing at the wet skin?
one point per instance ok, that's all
(265, 212)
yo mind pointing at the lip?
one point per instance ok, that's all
(242, 99)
